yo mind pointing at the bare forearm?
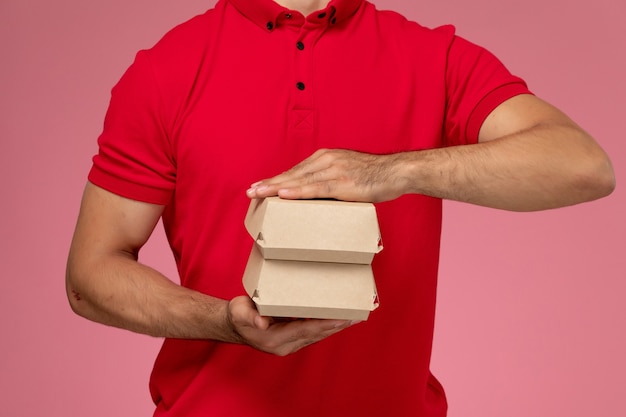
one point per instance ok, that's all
(531, 157)
(544, 167)
(118, 291)
(105, 283)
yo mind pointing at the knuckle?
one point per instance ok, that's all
(327, 158)
(311, 177)
(328, 187)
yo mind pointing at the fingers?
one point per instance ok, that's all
(312, 170)
(300, 188)
(339, 174)
(325, 174)
(289, 337)
(279, 338)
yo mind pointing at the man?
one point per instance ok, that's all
(348, 103)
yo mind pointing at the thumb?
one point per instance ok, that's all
(243, 307)
(261, 322)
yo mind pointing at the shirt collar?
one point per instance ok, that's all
(268, 14)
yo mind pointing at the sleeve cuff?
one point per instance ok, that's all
(127, 189)
(488, 104)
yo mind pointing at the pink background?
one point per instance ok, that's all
(531, 319)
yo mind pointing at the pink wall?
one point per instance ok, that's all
(531, 319)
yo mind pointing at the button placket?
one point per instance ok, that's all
(303, 116)
(303, 62)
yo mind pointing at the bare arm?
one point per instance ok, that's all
(530, 157)
(106, 284)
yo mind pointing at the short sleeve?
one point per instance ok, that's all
(476, 83)
(135, 158)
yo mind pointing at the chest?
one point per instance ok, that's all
(260, 104)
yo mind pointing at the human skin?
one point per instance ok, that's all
(530, 157)
(304, 6)
(105, 283)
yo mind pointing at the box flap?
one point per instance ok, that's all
(310, 289)
(314, 230)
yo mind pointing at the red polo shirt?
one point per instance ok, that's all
(246, 91)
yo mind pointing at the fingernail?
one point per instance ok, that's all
(255, 184)
(353, 322)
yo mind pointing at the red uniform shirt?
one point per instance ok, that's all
(246, 91)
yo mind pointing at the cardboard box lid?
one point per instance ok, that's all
(323, 290)
(314, 230)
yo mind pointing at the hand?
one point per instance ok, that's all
(339, 174)
(279, 338)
